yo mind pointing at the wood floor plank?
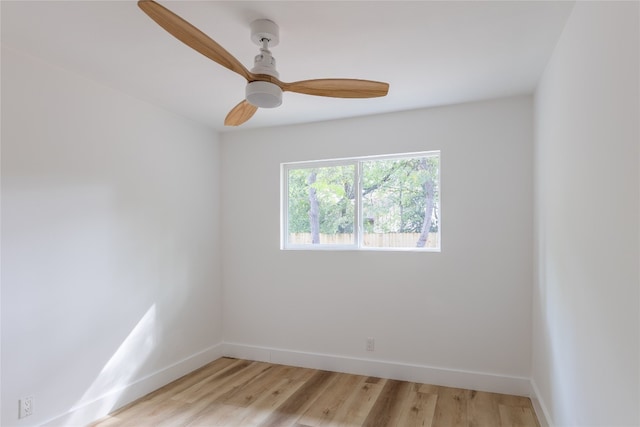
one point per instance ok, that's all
(388, 406)
(482, 409)
(248, 394)
(231, 408)
(221, 383)
(218, 415)
(205, 382)
(203, 397)
(517, 416)
(194, 377)
(165, 413)
(264, 406)
(451, 408)
(242, 380)
(419, 410)
(325, 408)
(287, 413)
(230, 392)
(108, 421)
(171, 389)
(355, 410)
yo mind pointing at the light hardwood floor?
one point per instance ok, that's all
(233, 392)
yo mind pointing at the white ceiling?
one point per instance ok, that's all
(430, 52)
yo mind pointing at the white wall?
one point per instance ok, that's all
(586, 297)
(110, 247)
(467, 308)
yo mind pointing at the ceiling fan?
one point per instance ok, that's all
(264, 89)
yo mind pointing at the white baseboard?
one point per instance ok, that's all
(394, 370)
(538, 405)
(98, 408)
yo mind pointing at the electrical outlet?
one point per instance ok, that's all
(371, 344)
(25, 406)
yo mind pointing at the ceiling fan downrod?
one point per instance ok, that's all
(264, 94)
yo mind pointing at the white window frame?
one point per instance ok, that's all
(357, 229)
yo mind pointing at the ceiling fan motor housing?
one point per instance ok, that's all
(265, 63)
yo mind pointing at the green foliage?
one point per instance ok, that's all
(298, 201)
(334, 190)
(394, 193)
(394, 197)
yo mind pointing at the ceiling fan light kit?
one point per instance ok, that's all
(263, 94)
(264, 89)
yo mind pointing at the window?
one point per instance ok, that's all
(382, 202)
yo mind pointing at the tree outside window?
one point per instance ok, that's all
(383, 202)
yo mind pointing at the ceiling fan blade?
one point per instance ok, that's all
(240, 113)
(339, 88)
(191, 36)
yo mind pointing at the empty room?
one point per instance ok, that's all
(320, 213)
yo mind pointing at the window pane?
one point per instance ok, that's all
(400, 202)
(321, 205)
